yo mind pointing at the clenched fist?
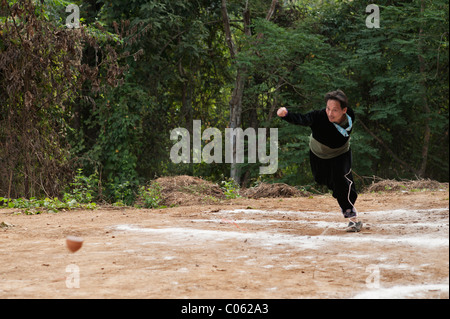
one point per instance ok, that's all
(282, 112)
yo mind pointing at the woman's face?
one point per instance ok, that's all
(334, 111)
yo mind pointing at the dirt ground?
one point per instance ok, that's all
(277, 248)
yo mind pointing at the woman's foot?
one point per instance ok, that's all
(354, 226)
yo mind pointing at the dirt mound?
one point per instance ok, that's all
(410, 185)
(280, 190)
(188, 190)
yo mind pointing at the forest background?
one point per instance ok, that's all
(88, 110)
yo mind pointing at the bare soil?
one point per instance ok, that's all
(283, 248)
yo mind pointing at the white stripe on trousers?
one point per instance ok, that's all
(349, 191)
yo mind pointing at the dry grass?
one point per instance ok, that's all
(279, 190)
(187, 190)
(407, 185)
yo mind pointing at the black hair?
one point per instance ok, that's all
(337, 96)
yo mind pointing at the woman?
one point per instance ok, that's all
(330, 152)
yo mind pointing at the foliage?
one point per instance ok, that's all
(151, 196)
(117, 141)
(230, 188)
(42, 73)
(79, 98)
(394, 77)
(82, 193)
(83, 189)
(401, 95)
(35, 206)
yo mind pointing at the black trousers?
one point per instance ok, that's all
(336, 174)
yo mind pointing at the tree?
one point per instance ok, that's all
(241, 73)
(401, 74)
(41, 73)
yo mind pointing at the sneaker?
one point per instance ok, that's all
(354, 227)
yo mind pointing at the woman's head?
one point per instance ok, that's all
(337, 96)
(337, 104)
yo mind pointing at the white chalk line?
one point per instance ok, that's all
(318, 224)
(404, 291)
(270, 239)
(391, 214)
(265, 239)
(393, 219)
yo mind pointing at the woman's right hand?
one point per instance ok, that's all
(282, 112)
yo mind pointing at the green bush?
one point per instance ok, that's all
(151, 196)
(83, 189)
(230, 189)
(34, 206)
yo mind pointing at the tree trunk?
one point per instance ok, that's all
(238, 91)
(186, 99)
(425, 106)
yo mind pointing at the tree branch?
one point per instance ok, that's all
(272, 9)
(227, 28)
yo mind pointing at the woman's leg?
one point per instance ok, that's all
(344, 189)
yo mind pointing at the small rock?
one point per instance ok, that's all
(6, 225)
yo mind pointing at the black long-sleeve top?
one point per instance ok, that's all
(323, 130)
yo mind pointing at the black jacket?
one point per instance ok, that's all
(322, 129)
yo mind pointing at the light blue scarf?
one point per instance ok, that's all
(343, 131)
